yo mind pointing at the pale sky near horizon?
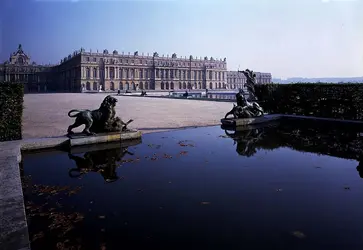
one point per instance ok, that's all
(288, 38)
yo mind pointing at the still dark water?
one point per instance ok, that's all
(291, 186)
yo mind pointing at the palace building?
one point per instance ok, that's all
(92, 71)
(19, 68)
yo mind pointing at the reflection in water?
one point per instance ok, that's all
(104, 162)
(341, 141)
(246, 140)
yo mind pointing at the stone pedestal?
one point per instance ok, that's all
(79, 139)
(249, 121)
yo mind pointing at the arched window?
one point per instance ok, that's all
(180, 85)
(199, 85)
(120, 73)
(162, 85)
(88, 86)
(171, 85)
(146, 85)
(133, 86)
(112, 86)
(189, 85)
(184, 85)
(219, 85)
(120, 86)
(211, 85)
(141, 85)
(95, 86)
(167, 85)
(88, 73)
(127, 86)
(94, 72)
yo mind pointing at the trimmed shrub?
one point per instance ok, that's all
(11, 110)
(338, 101)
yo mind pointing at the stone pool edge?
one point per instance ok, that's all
(14, 229)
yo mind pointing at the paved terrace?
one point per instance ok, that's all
(45, 115)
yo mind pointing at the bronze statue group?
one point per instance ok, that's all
(247, 108)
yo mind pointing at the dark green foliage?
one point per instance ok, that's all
(11, 110)
(338, 101)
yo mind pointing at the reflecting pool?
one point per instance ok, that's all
(288, 185)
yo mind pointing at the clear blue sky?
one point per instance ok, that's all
(310, 38)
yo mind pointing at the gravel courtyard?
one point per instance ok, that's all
(45, 115)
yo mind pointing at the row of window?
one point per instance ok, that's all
(26, 77)
(146, 73)
(145, 62)
(258, 80)
(165, 85)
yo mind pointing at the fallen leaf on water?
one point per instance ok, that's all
(205, 203)
(183, 152)
(60, 246)
(167, 156)
(298, 234)
(279, 190)
(347, 188)
(38, 236)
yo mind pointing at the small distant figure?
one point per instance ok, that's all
(127, 91)
(143, 93)
(118, 92)
(185, 94)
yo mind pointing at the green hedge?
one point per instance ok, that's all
(11, 110)
(339, 101)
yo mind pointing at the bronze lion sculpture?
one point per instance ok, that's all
(99, 120)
